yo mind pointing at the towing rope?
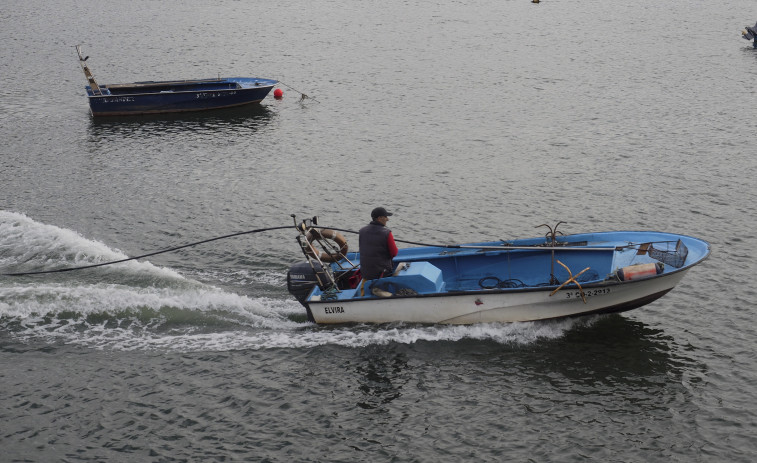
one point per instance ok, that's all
(102, 264)
(71, 269)
(259, 230)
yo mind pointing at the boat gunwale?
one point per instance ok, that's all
(562, 241)
(121, 95)
(156, 83)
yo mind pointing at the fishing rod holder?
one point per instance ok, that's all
(306, 224)
(553, 232)
(552, 237)
(321, 270)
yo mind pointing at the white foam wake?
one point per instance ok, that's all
(209, 319)
(182, 314)
(27, 245)
(308, 336)
(24, 301)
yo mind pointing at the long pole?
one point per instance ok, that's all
(87, 73)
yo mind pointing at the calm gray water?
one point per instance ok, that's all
(472, 121)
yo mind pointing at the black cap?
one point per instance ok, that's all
(379, 212)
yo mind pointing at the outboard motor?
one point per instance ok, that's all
(750, 33)
(301, 279)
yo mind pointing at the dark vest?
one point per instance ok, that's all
(374, 252)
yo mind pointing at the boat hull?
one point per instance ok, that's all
(182, 96)
(504, 282)
(497, 306)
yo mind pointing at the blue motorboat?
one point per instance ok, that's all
(555, 276)
(153, 97)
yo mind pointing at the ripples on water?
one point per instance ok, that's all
(388, 399)
(471, 121)
(251, 360)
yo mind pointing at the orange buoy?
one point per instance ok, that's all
(278, 93)
(634, 272)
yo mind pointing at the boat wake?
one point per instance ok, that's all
(156, 308)
(30, 246)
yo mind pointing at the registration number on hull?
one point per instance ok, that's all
(588, 293)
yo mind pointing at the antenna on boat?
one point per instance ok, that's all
(87, 73)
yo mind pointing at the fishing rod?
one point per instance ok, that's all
(71, 269)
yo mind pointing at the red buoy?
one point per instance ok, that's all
(278, 93)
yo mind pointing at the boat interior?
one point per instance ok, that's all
(170, 86)
(434, 270)
(476, 270)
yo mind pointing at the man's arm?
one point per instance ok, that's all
(392, 245)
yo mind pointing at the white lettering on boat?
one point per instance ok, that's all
(118, 99)
(335, 309)
(207, 95)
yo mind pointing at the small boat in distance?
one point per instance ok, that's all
(556, 276)
(173, 96)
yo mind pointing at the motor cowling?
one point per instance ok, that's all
(302, 277)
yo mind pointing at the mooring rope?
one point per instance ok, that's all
(302, 95)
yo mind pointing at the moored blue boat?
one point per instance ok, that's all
(153, 97)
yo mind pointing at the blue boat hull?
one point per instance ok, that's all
(177, 96)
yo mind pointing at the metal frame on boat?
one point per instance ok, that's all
(153, 97)
(505, 281)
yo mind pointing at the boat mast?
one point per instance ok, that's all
(87, 73)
